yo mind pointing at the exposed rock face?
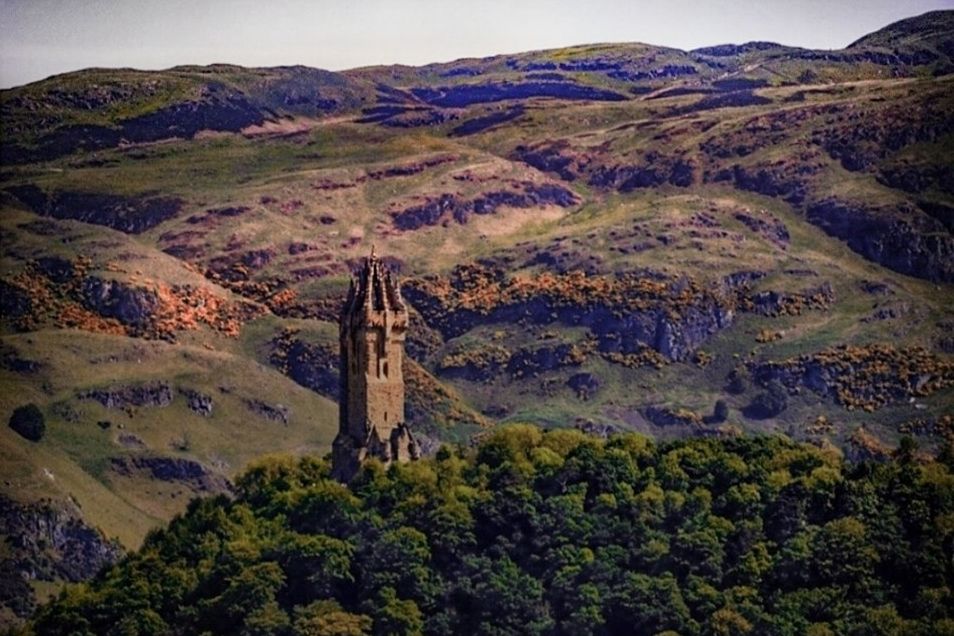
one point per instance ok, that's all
(625, 314)
(198, 402)
(451, 206)
(310, 365)
(48, 541)
(765, 225)
(156, 394)
(172, 469)
(656, 171)
(132, 306)
(773, 303)
(909, 242)
(132, 215)
(735, 99)
(480, 363)
(861, 377)
(467, 94)
(553, 157)
(14, 301)
(665, 416)
(272, 412)
(11, 361)
(535, 360)
(73, 299)
(585, 384)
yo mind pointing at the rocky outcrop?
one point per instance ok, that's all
(11, 361)
(132, 215)
(554, 157)
(656, 170)
(271, 412)
(531, 361)
(765, 225)
(467, 94)
(774, 303)
(904, 240)
(48, 291)
(625, 314)
(866, 377)
(134, 306)
(47, 541)
(188, 472)
(782, 179)
(198, 403)
(314, 366)
(150, 394)
(479, 362)
(584, 384)
(665, 416)
(447, 207)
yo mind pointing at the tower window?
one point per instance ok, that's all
(385, 369)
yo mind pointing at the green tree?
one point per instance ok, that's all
(327, 618)
(394, 616)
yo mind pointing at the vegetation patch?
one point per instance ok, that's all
(866, 377)
(70, 297)
(548, 533)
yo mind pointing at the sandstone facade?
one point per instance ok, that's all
(373, 326)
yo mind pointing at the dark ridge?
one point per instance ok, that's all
(459, 96)
(939, 211)
(739, 84)
(132, 215)
(534, 66)
(450, 206)
(229, 114)
(667, 71)
(726, 50)
(927, 25)
(479, 124)
(590, 66)
(681, 90)
(737, 99)
(549, 77)
(462, 72)
(377, 114)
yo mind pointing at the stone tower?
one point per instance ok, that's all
(371, 412)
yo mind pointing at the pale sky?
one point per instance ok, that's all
(39, 38)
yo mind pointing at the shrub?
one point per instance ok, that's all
(738, 381)
(28, 422)
(770, 403)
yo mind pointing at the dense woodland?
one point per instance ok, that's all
(557, 532)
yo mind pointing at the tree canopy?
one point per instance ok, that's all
(557, 532)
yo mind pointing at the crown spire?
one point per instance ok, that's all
(372, 329)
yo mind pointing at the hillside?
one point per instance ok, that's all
(742, 239)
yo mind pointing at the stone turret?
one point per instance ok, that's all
(373, 325)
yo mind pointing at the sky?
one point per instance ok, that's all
(39, 38)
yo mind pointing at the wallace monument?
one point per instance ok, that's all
(373, 325)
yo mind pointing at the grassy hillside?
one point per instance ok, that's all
(740, 239)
